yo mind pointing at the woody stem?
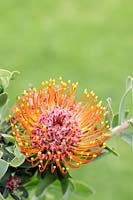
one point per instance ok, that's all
(118, 129)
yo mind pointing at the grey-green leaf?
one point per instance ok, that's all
(3, 167)
(44, 183)
(17, 161)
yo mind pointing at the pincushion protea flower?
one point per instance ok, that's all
(53, 129)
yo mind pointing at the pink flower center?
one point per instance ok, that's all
(58, 131)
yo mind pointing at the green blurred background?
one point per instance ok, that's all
(88, 41)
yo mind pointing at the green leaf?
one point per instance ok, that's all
(10, 138)
(82, 190)
(17, 161)
(34, 181)
(22, 192)
(44, 183)
(1, 197)
(64, 180)
(31, 187)
(75, 189)
(3, 167)
(54, 190)
(64, 185)
(129, 88)
(3, 98)
(69, 191)
(111, 150)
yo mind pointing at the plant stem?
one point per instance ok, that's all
(118, 129)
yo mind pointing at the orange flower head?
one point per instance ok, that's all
(53, 129)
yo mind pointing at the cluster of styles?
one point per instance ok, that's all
(53, 129)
